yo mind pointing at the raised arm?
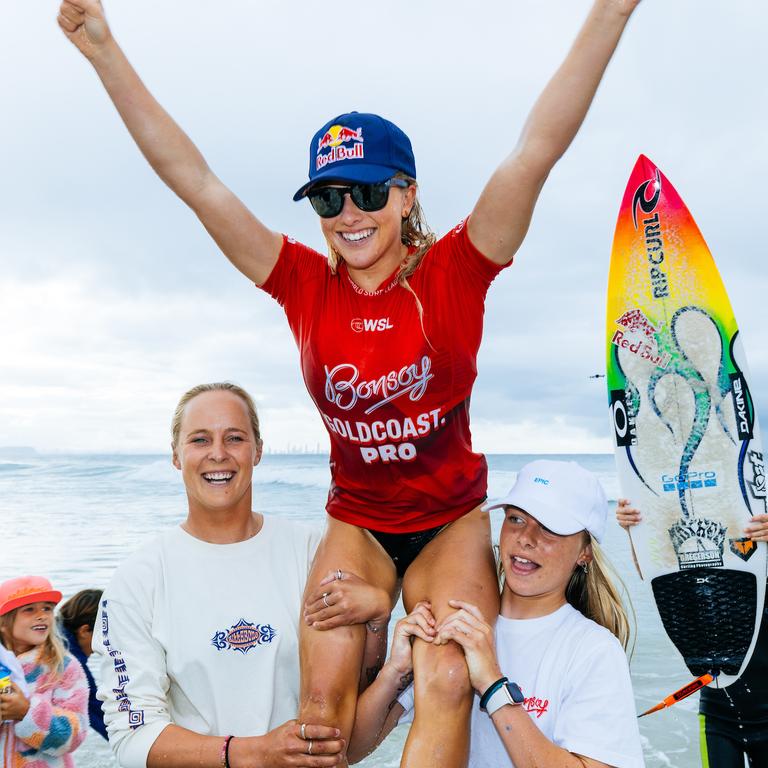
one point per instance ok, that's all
(503, 213)
(246, 242)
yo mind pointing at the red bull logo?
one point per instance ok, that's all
(334, 139)
(639, 338)
(635, 321)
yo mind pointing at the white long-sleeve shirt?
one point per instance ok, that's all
(204, 636)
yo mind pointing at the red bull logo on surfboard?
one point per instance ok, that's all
(639, 338)
(343, 144)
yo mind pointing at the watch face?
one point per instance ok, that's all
(515, 693)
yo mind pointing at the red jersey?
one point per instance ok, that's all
(395, 403)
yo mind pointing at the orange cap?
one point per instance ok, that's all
(24, 590)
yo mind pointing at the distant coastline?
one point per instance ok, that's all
(17, 452)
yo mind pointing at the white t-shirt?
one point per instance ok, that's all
(204, 636)
(575, 679)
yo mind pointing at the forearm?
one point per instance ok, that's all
(527, 746)
(177, 747)
(560, 110)
(166, 147)
(374, 653)
(377, 712)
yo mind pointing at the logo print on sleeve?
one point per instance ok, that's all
(242, 636)
(135, 716)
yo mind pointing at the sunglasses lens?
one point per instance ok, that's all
(327, 201)
(370, 197)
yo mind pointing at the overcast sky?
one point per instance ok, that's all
(114, 300)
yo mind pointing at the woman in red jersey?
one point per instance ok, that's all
(388, 329)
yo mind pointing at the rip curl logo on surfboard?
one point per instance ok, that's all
(242, 636)
(698, 543)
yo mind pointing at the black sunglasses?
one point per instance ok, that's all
(328, 201)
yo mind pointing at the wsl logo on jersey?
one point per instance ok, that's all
(360, 324)
(242, 636)
(343, 144)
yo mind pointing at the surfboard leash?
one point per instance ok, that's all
(682, 693)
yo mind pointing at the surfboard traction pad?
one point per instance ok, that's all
(688, 449)
(725, 597)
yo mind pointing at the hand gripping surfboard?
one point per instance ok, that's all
(687, 442)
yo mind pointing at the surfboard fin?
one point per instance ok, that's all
(682, 693)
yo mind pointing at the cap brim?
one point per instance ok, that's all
(357, 172)
(51, 596)
(541, 512)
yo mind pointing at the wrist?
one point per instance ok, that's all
(244, 751)
(483, 683)
(104, 54)
(398, 677)
(377, 625)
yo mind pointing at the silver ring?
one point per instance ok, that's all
(325, 599)
(303, 732)
(339, 575)
(309, 748)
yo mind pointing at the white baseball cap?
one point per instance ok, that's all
(561, 495)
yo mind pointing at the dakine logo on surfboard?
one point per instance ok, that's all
(638, 337)
(698, 543)
(740, 406)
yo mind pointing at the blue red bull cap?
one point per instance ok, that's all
(358, 147)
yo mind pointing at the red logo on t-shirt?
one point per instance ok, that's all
(534, 704)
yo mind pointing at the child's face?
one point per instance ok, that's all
(31, 626)
(538, 562)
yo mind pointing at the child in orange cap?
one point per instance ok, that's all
(41, 729)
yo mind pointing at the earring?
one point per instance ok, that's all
(584, 567)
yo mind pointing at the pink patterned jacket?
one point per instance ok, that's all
(57, 720)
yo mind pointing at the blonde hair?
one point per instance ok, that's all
(218, 386)
(51, 653)
(594, 594)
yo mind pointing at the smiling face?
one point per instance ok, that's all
(369, 242)
(538, 564)
(31, 626)
(216, 451)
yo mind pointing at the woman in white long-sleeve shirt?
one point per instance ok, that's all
(199, 629)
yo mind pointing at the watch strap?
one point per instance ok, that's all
(507, 693)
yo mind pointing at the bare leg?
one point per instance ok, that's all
(456, 564)
(330, 660)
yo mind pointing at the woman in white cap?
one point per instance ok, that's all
(388, 328)
(552, 682)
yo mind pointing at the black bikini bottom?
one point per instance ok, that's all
(403, 548)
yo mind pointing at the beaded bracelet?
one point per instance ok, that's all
(224, 754)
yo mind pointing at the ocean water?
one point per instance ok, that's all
(74, 518)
